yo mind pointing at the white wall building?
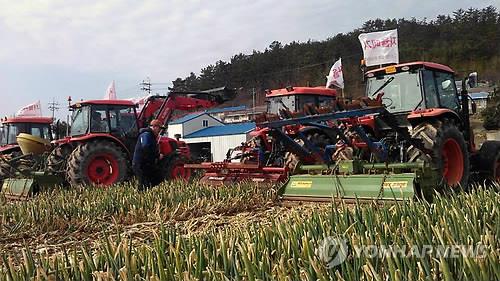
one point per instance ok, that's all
(480, 99)
(218, 140)
(208, 138)
(191, 123)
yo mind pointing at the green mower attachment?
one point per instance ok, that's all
(355, 180)
(22, 188)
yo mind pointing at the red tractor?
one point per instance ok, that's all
(104, 133)
(13, 126)
(261, 159)
(423, 97)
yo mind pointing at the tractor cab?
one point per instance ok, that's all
(294, 99)
(106, 117)
(11, 127)
(414, 86)
(115, 117)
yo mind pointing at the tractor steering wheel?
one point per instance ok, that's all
(390, 100)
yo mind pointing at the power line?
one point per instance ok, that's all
(53, 106)
(146, 85)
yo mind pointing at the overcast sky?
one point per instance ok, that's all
(60, 48)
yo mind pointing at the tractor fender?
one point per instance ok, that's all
(169, 146)
(419, 116)
(9, 148)
(368, 122)
(100, 136)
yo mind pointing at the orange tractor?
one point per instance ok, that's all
(410, 134)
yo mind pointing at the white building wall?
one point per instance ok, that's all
(174, 129)
(220, 144)
(196, 124)
(192, 125)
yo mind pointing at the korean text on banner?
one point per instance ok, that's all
(33, 109)
(380, 47)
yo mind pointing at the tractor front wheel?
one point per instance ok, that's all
(449, 154)
(97, 162)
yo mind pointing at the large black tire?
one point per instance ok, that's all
(449, 154)
(172, 168)
(98, 162)
(293, 162)
(489, 161)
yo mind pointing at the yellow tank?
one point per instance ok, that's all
(32, 144)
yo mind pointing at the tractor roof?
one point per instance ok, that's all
(104, 102)
(26, 119)
(288, 91)
(415, 64)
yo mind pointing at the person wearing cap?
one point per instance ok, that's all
(146, 155)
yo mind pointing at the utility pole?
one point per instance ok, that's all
(53, 106)
(146, 85)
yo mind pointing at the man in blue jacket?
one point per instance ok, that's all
(146, 155)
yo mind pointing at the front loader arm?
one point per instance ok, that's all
(175, 102)
(162, 107)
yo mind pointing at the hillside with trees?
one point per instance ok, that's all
(468, 40)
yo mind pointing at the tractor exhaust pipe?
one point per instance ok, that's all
(464, 98)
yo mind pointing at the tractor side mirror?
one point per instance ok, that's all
(472, 80)
(177, 136)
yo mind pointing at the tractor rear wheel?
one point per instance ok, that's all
(172, 168)
(449, 154)
(293, 162)
(489, 160)
(97, 162)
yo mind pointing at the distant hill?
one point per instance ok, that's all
(467, 40)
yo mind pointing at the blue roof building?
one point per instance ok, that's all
(224, 130)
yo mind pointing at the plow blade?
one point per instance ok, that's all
(23, 188)
(354, 187)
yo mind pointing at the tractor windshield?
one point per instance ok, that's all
(4, 131)
(400, 94)
(10, 134)
(314, 100)
(80, 121)
(297, 102)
